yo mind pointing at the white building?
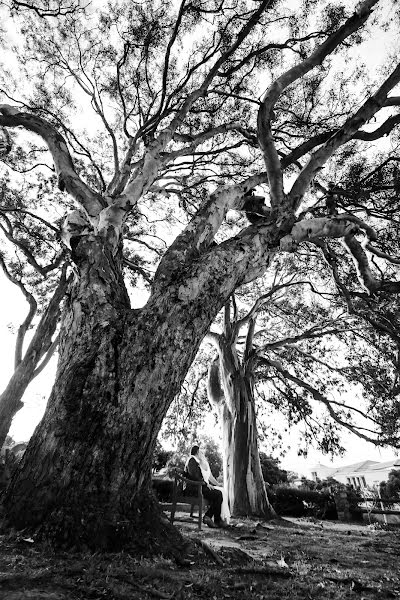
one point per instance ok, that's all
(368, 473)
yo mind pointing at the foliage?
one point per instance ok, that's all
(298, 502)
(309, 484)
(329, 482)
(272, 473)
(391, 487)
(160, 457)
(189, 409)
(212, 453)
(176, 463)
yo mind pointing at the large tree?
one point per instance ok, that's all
(271, 351)
(179, 131)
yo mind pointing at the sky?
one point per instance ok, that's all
(13, 309)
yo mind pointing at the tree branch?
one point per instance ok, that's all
(343, 135)
(67, 176)
(324, 400)
(265, 113)
(23, 328)
(48, 356)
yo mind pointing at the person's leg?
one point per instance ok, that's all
(214, 498)
(208, 515)
(217, 502)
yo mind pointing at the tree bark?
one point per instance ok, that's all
(85, 478)
(243, 478)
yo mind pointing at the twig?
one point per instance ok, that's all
(209, 551)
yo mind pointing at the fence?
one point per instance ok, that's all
(371, 504)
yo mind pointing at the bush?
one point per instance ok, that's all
(160, 457)
(298, 502)
(163, 489)
(391, 487)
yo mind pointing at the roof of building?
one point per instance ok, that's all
(363, 466)
(386, 465)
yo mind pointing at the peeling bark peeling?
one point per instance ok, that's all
(230, 390)
(243, 478)
(317, 228)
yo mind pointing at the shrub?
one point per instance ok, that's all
(391, 487)
(298, 502)
(163, 489)
(160, 457)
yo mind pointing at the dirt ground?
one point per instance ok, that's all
(292, 559)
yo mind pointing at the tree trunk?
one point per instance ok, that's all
(85, 478)
(245, 483)
(232, 391)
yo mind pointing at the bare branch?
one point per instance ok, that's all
(391, 259)
(321, 138)
(63, 9)
(364, 272)
(48, 356)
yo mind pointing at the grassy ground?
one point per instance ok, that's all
(289, 559)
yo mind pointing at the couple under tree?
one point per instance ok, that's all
(198, 469)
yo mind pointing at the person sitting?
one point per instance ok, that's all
(209, 478)
(193, 471)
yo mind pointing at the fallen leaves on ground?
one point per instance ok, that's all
(289, 559)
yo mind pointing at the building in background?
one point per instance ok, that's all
(368, 473)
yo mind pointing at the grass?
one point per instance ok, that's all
(251, 561)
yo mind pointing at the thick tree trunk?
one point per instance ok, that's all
(244, 481)
(85, 478)
(232, 392)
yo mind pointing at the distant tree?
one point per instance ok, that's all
(42, 318)
(391, 487)
(176, 463)
(271, 470)
(329, 482)
(212, 453)
(161, 457)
